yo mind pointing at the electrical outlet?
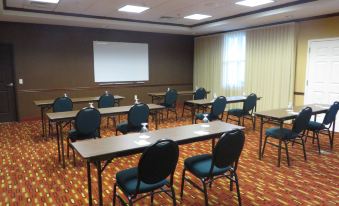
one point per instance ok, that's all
(21, 81)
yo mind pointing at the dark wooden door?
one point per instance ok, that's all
(7, 89)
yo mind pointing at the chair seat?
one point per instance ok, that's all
(124, 128)
(210, 117)
(237, 112)
(281, 133)
(74, 135)
(200, 166)
(315, 126)
(127, 181)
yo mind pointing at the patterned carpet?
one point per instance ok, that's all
(31, 175)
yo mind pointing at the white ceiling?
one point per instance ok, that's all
(104, 14)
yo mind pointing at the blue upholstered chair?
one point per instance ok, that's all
(217, 110)
(221, 163)
(324, 127)
(170, 103)
(61, 104)
(247, 110)
(286, 136)
(105, 101)
(87, 126)
(137, 114)
(154, 174)
(199, 94)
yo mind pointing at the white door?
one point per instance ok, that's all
(322, 77)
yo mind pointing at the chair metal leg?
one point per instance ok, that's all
(205, 193)
(238, 189)
(182, 183)
(68, 147)
(263, 149)
(318, 141)
(287, 156)
(173, 196)
(227, 117)
(303, 144)
(114, 194)
(331, 137)
(73, 157)
(279, 152)
(152, 197)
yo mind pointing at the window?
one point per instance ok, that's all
(234, 54)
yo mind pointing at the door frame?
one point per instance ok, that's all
(308, 58)
(15, 95)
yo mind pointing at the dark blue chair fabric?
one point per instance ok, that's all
(62, 104)
(170, 99)
(324, 127)
(285, 135)
(87, 124)
(247, 110)
(200, 166)
(106, 100)
(156, 164)
(137, 114)
(221, 163)
(200, 94)
(217, 110)
(128, 180)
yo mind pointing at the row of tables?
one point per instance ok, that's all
(100, 152)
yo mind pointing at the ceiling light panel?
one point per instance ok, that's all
(253, 3)
(46, 1)
(197, 16)
(133, 9)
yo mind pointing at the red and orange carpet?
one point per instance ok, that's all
(30, 173)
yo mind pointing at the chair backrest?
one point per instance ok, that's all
(200, 93)
(158, 161)
(106, 100)
(302, 120)
(218, 106)
(228, 149)
(331, 113)
(250, 103)
(171, 98)
(138, 114)
(62, 104)
(87, 121)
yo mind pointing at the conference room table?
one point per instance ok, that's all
(45, 105)
(156, 96)
(207, 102)
(61, 117)
(101, 152)
(278, 116)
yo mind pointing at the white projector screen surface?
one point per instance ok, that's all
(120, 62)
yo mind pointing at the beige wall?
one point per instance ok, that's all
(307, 30)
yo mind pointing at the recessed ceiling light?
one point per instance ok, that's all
(253, 3)
(197, 16)
(134, 9)
(47, 1)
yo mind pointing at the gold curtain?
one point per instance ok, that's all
(270, 65)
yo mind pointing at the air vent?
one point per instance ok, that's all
(168, 18)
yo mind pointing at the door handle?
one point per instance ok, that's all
(10, 85)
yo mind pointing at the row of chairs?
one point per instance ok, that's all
(158, 162)
(300, 131)
(219, 105)
(155, 171)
